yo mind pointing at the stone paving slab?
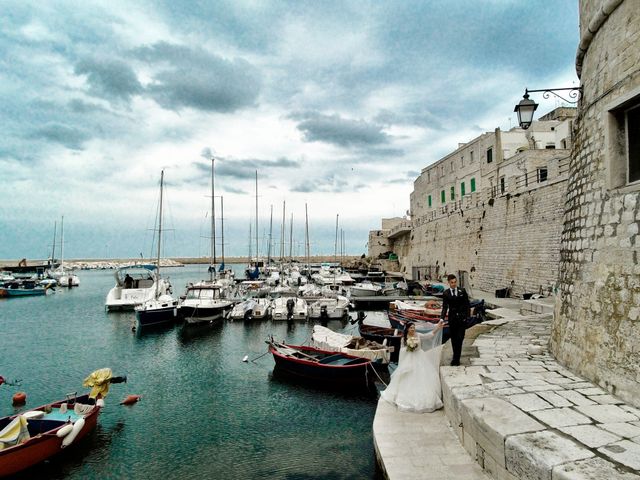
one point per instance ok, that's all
(586, 432)
(419, 446)
(591, 468)
(532, 456)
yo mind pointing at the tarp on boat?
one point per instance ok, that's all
(14, 433)
(326, 339)
(99, 382)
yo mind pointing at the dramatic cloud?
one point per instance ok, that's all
(338, 105)
(109, 78)
(70, 137)
(339, 131)
(332, 183)
(194, 78)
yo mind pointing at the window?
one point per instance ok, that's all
(489, 155)
(453, 193)
(473, 185)
(443, 197)
(429, 201)
(462, 161)
(462, 192)
(622, 136)
(542, 174)
(502, 186)
(452, 167)
(470, 157)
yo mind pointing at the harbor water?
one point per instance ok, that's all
(204, 413)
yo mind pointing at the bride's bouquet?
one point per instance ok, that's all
(412, 343)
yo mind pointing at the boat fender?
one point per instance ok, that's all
(131, 399)
(245, 358)
(64, 431)
(100, 402)
(71, 436)
(19, 398)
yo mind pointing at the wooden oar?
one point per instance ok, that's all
(313, 359)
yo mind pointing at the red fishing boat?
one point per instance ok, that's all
(33, 436)
(322, 366)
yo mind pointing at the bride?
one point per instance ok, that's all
(415, 384)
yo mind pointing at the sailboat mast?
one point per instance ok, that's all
(270, 233)
(222, 225)
(291, 240)
(62, 243)
(249, 260)
(257, 244)
(159, 233)
(335, 251)
(213, 220)
(53, 251)
(282, 234)
(307, 249)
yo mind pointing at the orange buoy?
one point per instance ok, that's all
(19, 398)
(131, 399)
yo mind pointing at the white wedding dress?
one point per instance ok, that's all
(415, 384)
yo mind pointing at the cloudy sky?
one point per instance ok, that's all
(336, 104)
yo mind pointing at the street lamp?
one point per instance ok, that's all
(525, 110)
(526, 107)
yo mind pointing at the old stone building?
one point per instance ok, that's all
(492, 208)
(596, 329)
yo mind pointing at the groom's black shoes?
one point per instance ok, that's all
(455, 364)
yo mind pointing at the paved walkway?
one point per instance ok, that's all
(521, 415)
(516, 412)
(420, 446)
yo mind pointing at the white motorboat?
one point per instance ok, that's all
(135, 284)
(337, 307)
(204, 302)
(251, 309)
(289, 308)
(326, 339)
(365, 289)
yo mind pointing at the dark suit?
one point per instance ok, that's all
(459, 310)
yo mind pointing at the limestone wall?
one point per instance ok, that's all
(511, 238)
(596, 329)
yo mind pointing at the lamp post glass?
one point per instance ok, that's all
(525, 110)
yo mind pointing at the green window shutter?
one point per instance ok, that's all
(429, 201)
(473, 185)
(453, 193)
(443, 196)
(462, 189)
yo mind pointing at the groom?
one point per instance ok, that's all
(455, 301)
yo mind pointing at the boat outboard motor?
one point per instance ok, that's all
(323, 312)
(290, 304)
(360, 318)
(248, 315)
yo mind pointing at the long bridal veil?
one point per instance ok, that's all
(415, 384)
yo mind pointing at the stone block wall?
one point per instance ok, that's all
(596, 328)
(508, 241)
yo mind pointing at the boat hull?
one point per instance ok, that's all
(342, 376)
(41, 447)
(156, 316)
(19, 292)
(195, 314)
(380, 335)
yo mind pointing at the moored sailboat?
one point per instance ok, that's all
(162, 309)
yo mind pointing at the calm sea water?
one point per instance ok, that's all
(204, 413)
